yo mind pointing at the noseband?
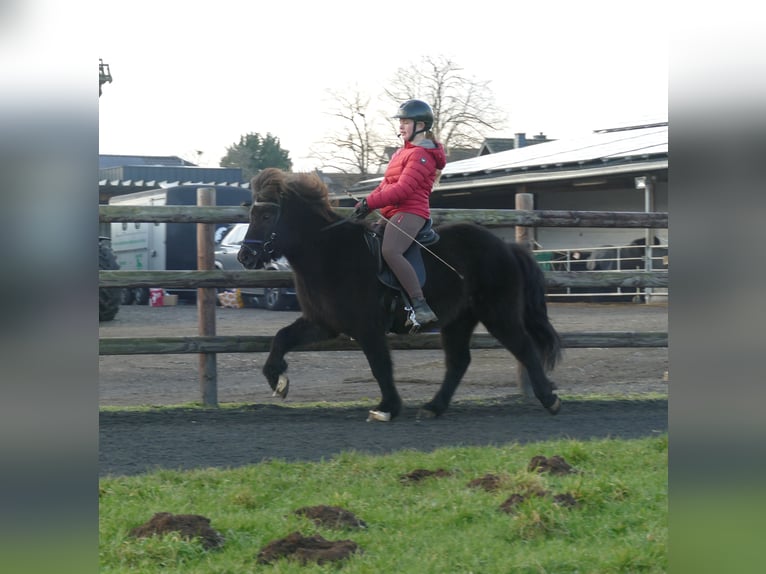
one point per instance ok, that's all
(266, 245)
(253, 244)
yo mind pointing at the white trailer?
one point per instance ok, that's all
(164, 246)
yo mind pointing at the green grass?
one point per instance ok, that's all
(439, 525)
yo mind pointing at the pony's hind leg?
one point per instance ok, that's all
(456, 342)
(517, 340)
(299, 332)
(378, 355)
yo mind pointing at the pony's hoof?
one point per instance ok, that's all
(555, 407)
(378, 416)
(282, 388)
(425, 414)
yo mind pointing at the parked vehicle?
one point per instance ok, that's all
(274, 298)
(164, 246)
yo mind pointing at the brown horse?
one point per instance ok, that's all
(472, 276)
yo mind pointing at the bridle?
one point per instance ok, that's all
(265, 245)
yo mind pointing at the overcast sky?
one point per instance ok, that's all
(195, 76)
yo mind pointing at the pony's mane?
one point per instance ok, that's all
(273, 185)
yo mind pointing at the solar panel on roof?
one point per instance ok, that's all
(604, 146)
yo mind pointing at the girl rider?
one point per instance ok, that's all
(403, 196)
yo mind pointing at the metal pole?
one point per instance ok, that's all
(649, 207)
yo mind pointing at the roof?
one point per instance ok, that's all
(109, 160)
(622, 149)
(109, 187)
(141, 184)
(495, 145)
(599, 147)
(122, 174)
(458, 153)
(171, 173)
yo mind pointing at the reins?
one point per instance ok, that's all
(389, 222)
(267, 243)
(335, 224)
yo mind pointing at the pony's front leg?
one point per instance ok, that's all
(299, 332)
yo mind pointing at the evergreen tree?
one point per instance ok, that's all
(254, 153)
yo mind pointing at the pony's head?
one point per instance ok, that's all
(274, 192)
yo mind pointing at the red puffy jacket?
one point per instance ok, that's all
(408, 180)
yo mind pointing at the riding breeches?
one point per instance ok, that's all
(397, 238)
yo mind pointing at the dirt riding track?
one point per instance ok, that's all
(487, 409)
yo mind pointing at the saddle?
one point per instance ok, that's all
(426, 236)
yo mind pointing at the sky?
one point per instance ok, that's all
(190, 78)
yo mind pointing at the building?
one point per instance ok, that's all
(122, 174)
(595, 172)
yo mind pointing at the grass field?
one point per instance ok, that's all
(437, 525)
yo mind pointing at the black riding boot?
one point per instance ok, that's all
(423, 313)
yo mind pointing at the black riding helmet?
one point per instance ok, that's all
(416, 110)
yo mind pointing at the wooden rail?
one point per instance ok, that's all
(422, 342)
(205, 279)
(484, 217)
(199, 279)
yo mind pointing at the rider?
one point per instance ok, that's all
(403, 196)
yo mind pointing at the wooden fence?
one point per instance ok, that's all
(207, 280)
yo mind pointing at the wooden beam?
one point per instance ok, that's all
(422, 341)
(485, 217)
(260, 278)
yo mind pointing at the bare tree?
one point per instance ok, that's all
(464, 107)
(464, 111)
(356, 146)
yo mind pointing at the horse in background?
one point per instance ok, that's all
(630, 258)
(472, 276)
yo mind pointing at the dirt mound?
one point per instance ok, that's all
(565, 499)
(553, 465)
(306, 549)
(489, 482)
(421, 474)
(331, 517)
(189, 526)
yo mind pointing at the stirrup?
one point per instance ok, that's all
(412, 321)
(412, 316)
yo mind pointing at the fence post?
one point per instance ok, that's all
(526, 202)
(206, 301)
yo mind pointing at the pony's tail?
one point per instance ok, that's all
(536, 309)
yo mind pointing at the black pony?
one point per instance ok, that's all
(472, 276)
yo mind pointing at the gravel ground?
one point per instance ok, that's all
(487, 408)
(131, 380)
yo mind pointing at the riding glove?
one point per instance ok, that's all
(361, 210)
